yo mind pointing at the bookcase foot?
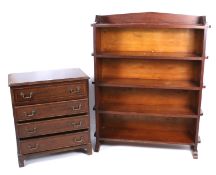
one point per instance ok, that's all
(21, 160)
(194, 152)
(199, 139)
(97, 146)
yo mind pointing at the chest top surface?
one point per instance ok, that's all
(38, 77)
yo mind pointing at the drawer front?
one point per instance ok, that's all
(33, 112)
(52, 126)
(49, 93)
(53, 142)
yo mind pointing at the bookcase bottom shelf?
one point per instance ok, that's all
(147, 129)
(136, 136)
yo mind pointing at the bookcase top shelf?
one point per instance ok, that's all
(151, 20)
(149, 25)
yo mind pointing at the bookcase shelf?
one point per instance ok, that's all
(156, 110)
(148, 83)
(149, 25)
(144, 129)
(135, 136)
(150, 55)
(149, 78)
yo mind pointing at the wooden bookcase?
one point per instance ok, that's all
(149, 78)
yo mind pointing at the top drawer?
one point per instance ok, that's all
(49, 93)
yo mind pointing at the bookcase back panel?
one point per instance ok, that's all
(151, 40)
(150, 69)
(141, 122)
(149, 97)
(148, 128)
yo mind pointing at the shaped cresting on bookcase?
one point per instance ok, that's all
(148, 70)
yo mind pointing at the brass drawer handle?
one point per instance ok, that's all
(77, 108)
(31, 131)
(33, 147)
(79, 124)
(76, 90)
(78, 140)
(30, 114)
(25, 96)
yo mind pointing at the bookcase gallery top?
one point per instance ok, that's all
(151, 20)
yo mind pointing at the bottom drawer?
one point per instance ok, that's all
(53, 142)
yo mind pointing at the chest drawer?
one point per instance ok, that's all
(52, 126)
(49, 110)
(49, 93)
(53, 142)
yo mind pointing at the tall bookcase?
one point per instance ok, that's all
(149, 78)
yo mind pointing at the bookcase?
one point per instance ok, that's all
(148, 70)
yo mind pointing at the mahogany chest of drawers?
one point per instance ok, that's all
(51, 112)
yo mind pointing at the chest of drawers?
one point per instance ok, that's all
(51, 112)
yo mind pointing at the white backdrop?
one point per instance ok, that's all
(53, 34)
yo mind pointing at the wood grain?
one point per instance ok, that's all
(147, 96)
(27, 95)
(150, 69)
(149, 55)
(164, 99)
(148, 110)
(148, 78)
(50, 110)
(169, 130)
(149, 83)
(38, 77)
(150, 18)
(39, 128)
(53, 142)
(150, 40)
